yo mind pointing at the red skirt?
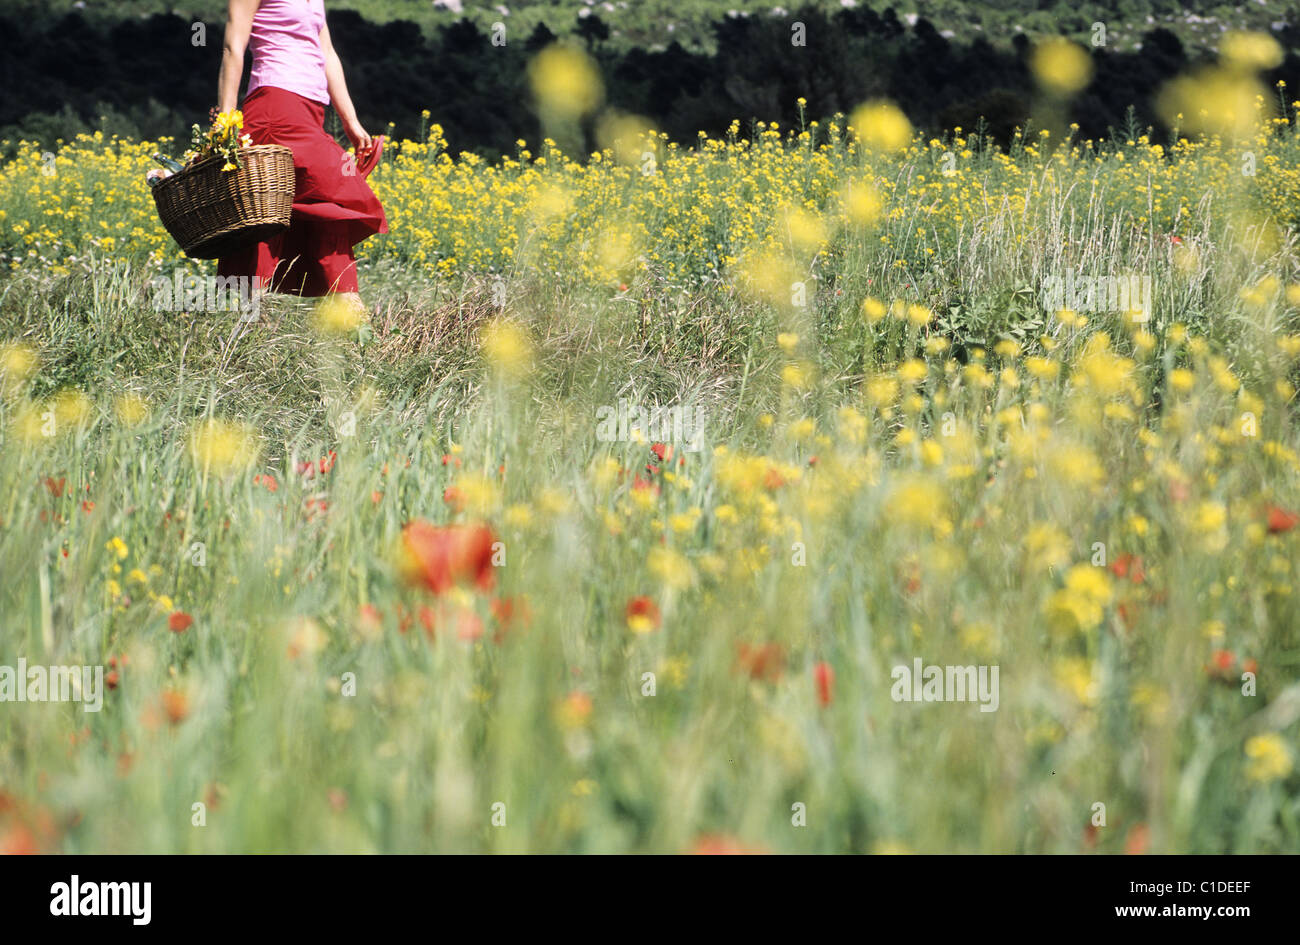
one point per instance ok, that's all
(333, 206)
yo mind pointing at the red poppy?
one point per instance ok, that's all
(1135, 844)
(1129, 566)
(722, 845)
(441, 556)
(268, 481)
(87, 506)
(662, 450)
(772, 479)
(507, 610)
(824, 678)
(428, 620)
(308, 469)
(1250, 666)
(56, 486)
(642, 614)
(1281, 520)
(370, 618)
(112, 679)
(18, 841)
(453, 496)
(175, 705)
(469, 625)
(404, 618)
(179, 621)
(764, 661)
(639, 485)
(1221, 663)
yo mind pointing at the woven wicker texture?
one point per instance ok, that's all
(211, 212)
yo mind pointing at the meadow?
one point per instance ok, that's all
(387, 583)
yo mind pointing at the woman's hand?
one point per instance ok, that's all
(358, 136)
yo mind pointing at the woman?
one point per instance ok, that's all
(295, 74)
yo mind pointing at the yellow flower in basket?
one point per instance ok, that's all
(226, 121)
(222, 139)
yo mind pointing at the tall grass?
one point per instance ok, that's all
(910, 458)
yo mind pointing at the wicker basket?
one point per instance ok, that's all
(211, 212)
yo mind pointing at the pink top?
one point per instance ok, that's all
(285, 41)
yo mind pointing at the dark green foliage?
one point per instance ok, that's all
(143, 75)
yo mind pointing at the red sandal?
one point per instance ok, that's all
(371, 159)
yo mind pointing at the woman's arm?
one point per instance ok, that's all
(339, 97)
(239, 23)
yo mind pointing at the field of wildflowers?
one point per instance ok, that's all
(398, 584)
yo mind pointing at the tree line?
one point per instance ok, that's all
(156, 75)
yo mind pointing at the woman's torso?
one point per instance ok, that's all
(285, 41)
